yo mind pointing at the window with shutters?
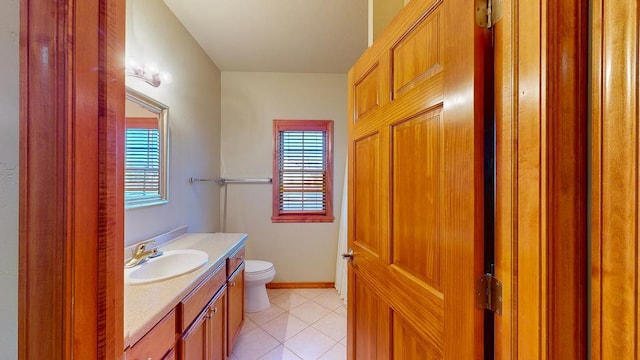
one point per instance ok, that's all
(302, 171)
(146, 149)
(142, 159)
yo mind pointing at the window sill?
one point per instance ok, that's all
(302, 219)
(143, 203)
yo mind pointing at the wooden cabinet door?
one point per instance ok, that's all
(171, 355)
(235, 309)
(416, 101)
(206, 337)
(217, 327)
(193, 343)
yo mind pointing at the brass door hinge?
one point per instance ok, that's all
(489, 293)
(488, 12)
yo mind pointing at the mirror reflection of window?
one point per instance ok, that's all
(145, 151)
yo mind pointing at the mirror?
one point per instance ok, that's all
(146, 151)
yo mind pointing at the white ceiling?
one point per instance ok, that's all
(307, 36)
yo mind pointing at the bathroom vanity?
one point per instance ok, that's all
(193, 316)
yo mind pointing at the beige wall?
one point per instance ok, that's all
(383, 12)
(193, 97)
(9, 136)
(250, 102)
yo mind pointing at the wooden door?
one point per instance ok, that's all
(416, 106)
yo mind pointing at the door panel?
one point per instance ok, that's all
(367, 193)
(367, 93)
(416, 57)
(416, 187)
(372, 318)
(407, 344)
(416, 172)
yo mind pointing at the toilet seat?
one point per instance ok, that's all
(257, 267)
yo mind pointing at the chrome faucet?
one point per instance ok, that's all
(141, 254)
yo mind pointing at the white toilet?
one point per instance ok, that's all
(257, 274)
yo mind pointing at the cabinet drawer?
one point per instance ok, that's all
(157, 342)
(192, 304)
(235, 260)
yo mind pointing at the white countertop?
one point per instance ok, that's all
(146, 304)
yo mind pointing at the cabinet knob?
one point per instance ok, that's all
(215, 309)
(232, 283)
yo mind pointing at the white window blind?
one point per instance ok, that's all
(142, 163)
(302, 163)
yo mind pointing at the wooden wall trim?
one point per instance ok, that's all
(45, 237)
(301, 285)
(615, 165)
(111, 130)
(71, 214)
(530, 178)
(506, 230)
(541, 179)
(566, 114)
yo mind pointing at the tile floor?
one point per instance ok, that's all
(302, 324)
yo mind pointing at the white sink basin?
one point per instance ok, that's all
(170, 264)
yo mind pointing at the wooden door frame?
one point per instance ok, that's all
(614, 165)
(541, 199)
(71, 172)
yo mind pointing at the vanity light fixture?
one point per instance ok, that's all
(149, 73)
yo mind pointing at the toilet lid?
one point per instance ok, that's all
(257, 266)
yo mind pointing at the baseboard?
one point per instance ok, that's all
(301, 285)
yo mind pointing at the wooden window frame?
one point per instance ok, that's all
(142, 123)
(302, 125)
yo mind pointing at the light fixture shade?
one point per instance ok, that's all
(143, 73)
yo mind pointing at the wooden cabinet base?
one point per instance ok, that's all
(206, 322)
